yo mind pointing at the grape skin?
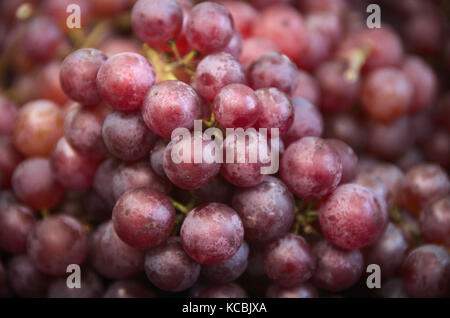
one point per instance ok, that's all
(16, 221)
(128, 289)
(25, 279)
(305, 290)
(10, 158)
(230, 290)
(9, 114)
(435, 221)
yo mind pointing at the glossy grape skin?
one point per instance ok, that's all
(426, 272)
(229, 270)
(83, 130)
(272, 69)
(73, 170)
(34, 183)
(283, 26)
(423, 184)
(435, 222)
(352, 217)
(267, 210)
(307, 88)
(157, 21)
(16, 221)
(103, 180)
(437, 148)
(336, 269)
(277, 110)
(209, 27)
(124, 80)
(9, 114)
(7, 198)
(392, 289)
(25, 279)
(111, 257)
(143, 218)
(392, 177)
(50, 84)
(212, 233)
(236, 105)
(9, 159)
(240, 170)
(317, 51)
(379, 189)
(305, 290)
(243, 15)
(188, 174)
(128, 289)
(91, 286)
(386, 94)
(234, 46)
(423, 80)
(388, 251)
(307, 122)
(338, 93)
(38, 127)
(254, 47)
(170, 99)
(78, 75)
(136, 175)
(42, 39)
(56, 242)
(288, 261)
(126, 136)
(215, 72)
(169, 268)
(311, 168)
(230, 290)
(347, 128)
(157, 158)
(348, 158)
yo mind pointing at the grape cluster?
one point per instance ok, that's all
(358, 117)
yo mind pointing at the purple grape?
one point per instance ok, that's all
(126, 136)
(103, 180)
(236, 105)
(348, 158)
(347, 128)
(180, 166)
(217, 190)
(307, 88)
(42, 39)
(9, 114)
(215, 72)
(56, 242)
(352, 217)
(426, 272)
(379, 189)
(267, 210)
(10, 158)
(337, 269)
(128, 289)
(16, 221)
(435, 222)
(230, 290)
(212, 233)
(25, 279)
(78, 75)
(91, 286)
(169, 268)
(234, 46)
(311, 168)
(289, 261)
(273, 70)
(156, 21)
(111, 257)
(209, 27)
(157, 158)
(170, 99)
(143, 218)
(124, 80)
(392, 177)
(305, 290)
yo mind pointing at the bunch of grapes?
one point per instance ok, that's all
(358, 123)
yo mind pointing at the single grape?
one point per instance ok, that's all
(215, 72)
(212, 233)
(16, 221)
(230, 290)
(34, 183)
(143, 218)
(273, 70)
(128, 289)
(157, 158)
(180, 164)
(311, 168)
(38, 127)
(391, 176)
(169, 268)
(170, 99)
(9, 114)
(25, 279)
(426, 272)
(254, 47)
(236, 105)
(130, 176)
(305, 290)
(348, 158)
(425, 33)
(267, 210)
(73, 170)
(243, 15)
(126, 136)
(435, 222)
(352, 217)
(437, 148)
(103, 180)
(289, 261)
(337, 269)
(124, 80)
(209, 27)
(111, 257)
(156, 21)
(56, 242)
(234, 46)
(91, 286)
(307, 88)
(347, 128)
(9, 159)
(48, 80)
(317, 51)
(78, 75)
(379, 189)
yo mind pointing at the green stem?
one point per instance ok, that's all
(175, 51)
(356, 60)
(185, 209)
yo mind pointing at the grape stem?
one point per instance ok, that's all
(356, 60)
(45, 213)
(185, 209)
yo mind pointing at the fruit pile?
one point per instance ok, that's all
(361, 117)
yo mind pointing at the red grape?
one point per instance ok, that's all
(25, 279)
(435, 222)
(305, 290)
(9, 114)
(16, 221)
